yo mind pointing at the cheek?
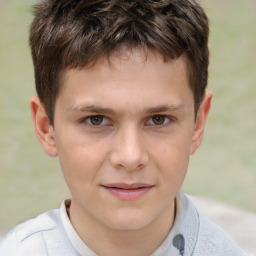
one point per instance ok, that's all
(172, 160)
(80, 161)
(175, 149)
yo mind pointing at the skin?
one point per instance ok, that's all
(142, 131)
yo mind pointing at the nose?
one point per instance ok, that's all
(129, 150)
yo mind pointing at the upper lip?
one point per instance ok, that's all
(127, 186)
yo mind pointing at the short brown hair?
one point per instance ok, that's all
(75, 33)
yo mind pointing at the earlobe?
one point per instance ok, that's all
(43, 128)
(202, 114)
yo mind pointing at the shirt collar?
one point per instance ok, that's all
(181, 240)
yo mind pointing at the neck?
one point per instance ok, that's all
(106, 241)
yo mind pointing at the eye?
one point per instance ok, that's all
(159, 120)
(97, 120)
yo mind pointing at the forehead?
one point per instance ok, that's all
(126, 60)
(126, 54)
(128, 78)
(137, 56)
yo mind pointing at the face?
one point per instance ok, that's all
(124, 131)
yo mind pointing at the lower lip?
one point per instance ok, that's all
(128, 194)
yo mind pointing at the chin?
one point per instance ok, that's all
(129, 220)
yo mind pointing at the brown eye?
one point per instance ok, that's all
(96, 120)
(159, 119)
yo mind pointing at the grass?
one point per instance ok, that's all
(223, 168)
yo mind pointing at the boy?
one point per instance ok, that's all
(122, 103)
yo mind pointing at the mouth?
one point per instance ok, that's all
(125, 191)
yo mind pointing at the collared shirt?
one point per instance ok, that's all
(52, 234)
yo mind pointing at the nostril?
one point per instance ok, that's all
(128, 160)
(128, 153)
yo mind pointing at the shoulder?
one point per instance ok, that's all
(213, 240)
(35, 236)
(44, 222)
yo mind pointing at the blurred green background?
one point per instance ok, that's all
(225, 166)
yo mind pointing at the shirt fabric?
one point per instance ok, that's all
(52, 234)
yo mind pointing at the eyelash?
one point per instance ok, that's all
(167, 120)
(106, 122)
(88, 120)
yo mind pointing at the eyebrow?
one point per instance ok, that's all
(163, 108)
(92, 108)
(109, 111)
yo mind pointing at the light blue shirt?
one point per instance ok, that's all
(52, 234)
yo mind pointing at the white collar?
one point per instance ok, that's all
(182, 237)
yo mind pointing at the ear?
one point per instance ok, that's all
(43, 128)
(202, 114)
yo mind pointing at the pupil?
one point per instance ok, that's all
(158, 120)
(96, 120)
